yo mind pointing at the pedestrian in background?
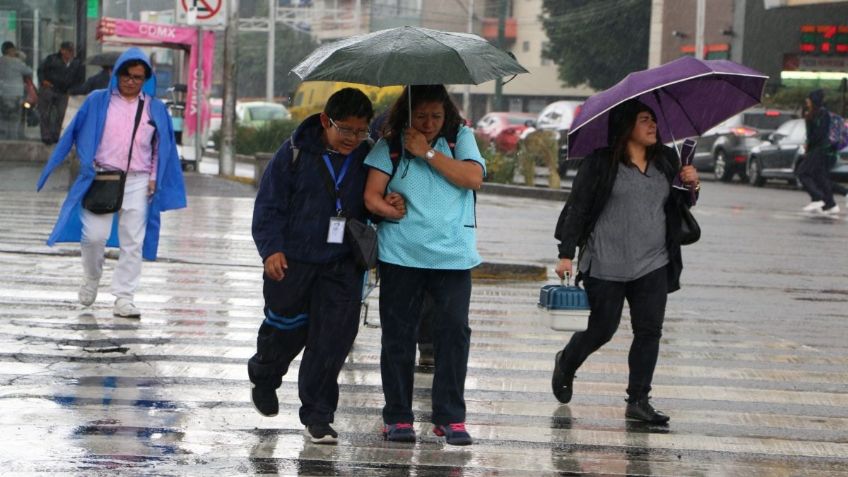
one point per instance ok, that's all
(58, 73)
(100, 80)
(102, 133)
(621, 214)
(312, 285)
(13, 77)
(814, 170)
(436, 168)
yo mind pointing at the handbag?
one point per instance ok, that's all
(690, 231)
(106, 193)
(363, 243)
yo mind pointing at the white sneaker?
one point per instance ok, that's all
(88, 292)
(814, 206)
(831, 211)
(125, 309)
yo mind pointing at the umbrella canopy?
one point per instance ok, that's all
(688, 95)
(108, 58)
(408, 56)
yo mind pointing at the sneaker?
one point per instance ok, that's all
(814, 206)
(88, 292)
(125, 309)
(399, 432)
(562, 383)
(322, 434)
(265, 401)
(831, 211)
(641, 410)
(454, 434)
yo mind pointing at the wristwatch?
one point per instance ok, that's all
(429, 155)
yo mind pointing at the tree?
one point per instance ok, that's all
(291, 47)
(597, 42)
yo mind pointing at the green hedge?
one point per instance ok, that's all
(268, 138)
(500, 167)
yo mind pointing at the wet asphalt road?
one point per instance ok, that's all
(752, 367)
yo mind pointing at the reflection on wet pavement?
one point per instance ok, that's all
(752, 372)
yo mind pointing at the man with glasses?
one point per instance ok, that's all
(121, 128)
(58, 73)
(312, 285)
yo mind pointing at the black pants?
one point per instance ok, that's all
(647, 298)
(401, 294)
(51, 108)
(813, 173)
(315, 306)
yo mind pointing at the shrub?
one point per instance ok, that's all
(539, 148)
(500, 168)
(267, 138)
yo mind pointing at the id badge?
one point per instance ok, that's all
(337, 228)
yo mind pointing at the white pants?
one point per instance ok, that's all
(132, 222)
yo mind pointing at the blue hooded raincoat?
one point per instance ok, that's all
(85, 131)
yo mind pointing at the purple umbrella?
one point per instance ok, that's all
(688, 95)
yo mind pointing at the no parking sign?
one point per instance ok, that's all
(202, 12)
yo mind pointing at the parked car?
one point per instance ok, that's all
(724, 149)
(502, 129)
(258, 113)
(556, 118)
(779, 155)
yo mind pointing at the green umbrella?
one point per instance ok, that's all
(408, 56)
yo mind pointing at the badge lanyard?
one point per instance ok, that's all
(338, 180)
(335, 234)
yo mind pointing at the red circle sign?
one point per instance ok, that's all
(206, 9)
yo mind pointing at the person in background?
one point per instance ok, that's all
(814, 170)
(621, 213)
(101, 133)
(58, 73)
(14, 75)
(431, 249)
(96, 81)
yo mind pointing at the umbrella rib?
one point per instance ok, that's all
(682, 109)
(456, 53)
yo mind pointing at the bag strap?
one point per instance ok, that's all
(135, 127)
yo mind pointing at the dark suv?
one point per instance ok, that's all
(724, 149)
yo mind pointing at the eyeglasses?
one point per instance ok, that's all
(349, 133)
(133, 78)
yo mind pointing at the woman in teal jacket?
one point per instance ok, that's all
(85, 133)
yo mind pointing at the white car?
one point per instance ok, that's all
(259, 113)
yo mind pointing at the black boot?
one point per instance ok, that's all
(642, 410)
(561, 382)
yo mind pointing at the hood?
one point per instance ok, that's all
(149, 87)
(308, 133)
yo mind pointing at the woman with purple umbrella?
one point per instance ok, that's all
(620, 214)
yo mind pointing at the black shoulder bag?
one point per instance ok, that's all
(106, 193)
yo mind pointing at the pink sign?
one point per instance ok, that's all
(169, 36)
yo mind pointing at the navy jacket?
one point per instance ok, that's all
(294, 203)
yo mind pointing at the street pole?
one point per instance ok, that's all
(227, 164)
(272, 33)
(498, 100)
(466, 96)
(198, 96)
(699, 29)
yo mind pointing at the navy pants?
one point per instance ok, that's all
(401, 295)
(647, 298)
(814, 175)
(315, 308)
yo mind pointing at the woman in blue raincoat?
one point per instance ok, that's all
(154, 183)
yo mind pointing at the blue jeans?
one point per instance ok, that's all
(401, 294)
